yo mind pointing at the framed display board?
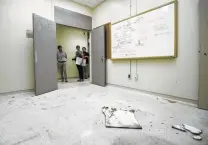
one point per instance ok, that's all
(151, 34)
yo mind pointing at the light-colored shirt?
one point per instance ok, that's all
(61, 56)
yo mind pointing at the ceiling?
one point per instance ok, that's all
(89, 3)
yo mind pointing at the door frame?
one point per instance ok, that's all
(83, 19)
(62, 17)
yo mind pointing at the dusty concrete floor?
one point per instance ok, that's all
(72, 116)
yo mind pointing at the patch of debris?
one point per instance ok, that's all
(197, 137)
(171, 101)
(178, 127)
(191, 129)
(43, 108)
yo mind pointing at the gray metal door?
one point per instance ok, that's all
(98, 56)
(203, 62)
(44, 41)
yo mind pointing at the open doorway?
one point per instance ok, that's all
(69, 38)
(45, 47)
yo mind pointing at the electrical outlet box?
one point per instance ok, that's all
(129, 76)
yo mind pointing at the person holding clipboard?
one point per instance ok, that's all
(85, 63)
(79, 60)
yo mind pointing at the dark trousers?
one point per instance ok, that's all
(80, 70)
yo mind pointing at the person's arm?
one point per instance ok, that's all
(74, 59)
(65, 55)
(87, 55)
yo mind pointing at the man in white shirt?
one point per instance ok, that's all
(62, 58)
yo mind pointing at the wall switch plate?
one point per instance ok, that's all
(29, 33)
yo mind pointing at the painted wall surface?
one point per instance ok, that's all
(175, 77)
(69, 38)
(16, 51)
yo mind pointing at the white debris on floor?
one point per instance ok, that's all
(72, 115)
(178, 127)
(120, 118)
(197, 137)
(192, 129)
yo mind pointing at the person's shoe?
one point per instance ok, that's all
(66, 81)
(78, 80)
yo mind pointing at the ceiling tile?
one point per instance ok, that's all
(89, 3)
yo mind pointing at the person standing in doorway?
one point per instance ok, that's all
(78, 58)
(62, 58)
(86, 66)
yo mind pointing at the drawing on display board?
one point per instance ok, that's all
(151, 34)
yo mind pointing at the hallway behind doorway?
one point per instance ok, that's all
(68, 38)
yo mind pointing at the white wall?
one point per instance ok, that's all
(69, 38)
(174, 77)
(16, 51)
